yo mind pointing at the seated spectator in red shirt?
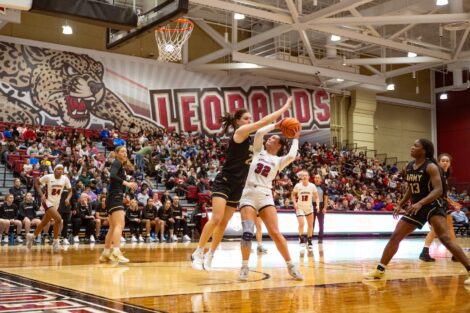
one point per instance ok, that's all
(29, 135)
(389, 206)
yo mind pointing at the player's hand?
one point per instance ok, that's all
(415, 208)
(132, 186)
(287, 105)
(278, 124)
(67, 202)
(396, 211)
(297, 132)
(43, 198)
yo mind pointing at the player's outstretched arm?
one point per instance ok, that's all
(244, 131)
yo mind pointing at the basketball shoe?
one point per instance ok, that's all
(208, 261)
(197, 259)
(294, 272)
(29, 241)
(375, 275)
(117, 256)
(243, 275)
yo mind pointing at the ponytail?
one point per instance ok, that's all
(230, 120)
(429, 154)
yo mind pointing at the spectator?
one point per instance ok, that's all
(9, 212)
(18, 192)
(81, 215)
(101, 215)
(30, 214)
(150, 219)
(134, 220)
(165, 215)
(180, 221)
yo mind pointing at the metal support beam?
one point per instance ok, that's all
(292, 10)
(305, 69)
(209, 57)
(403, 60)
(225, 67)
(307, 46)
(373, 70)
(242, 9)
(380, 41)
(393, 19)
(276, 31)
(212, 33)
(372, 29)
(341, 6)
(460, 46)
(234, 30)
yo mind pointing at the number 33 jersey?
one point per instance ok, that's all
(54, 187)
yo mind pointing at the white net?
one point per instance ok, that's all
(171, 37)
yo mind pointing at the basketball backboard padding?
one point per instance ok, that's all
(91, 12)
(148, 22)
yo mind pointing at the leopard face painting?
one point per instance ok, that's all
(65, 85)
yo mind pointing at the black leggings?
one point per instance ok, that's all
(321, 220)
(88, 223)
(135, 228)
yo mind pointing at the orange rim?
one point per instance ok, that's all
(173, 30)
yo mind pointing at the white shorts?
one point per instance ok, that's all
(49, 204)
(304, 211)
(257, 198)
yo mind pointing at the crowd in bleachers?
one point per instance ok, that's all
(170, 167)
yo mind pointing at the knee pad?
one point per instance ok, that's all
(248, 227)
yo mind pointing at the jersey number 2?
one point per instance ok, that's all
(262, 169)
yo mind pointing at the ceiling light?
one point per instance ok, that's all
(238, 16)
(67, 30)
(443, 96)
(442, 2)
(412, 54)
(339, 80)
(335, 38)
(391, 87)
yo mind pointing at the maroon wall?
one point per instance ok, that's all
(453, 131)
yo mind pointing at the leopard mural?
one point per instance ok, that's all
(67, 86)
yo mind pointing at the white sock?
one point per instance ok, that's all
(383, 266)
(106, 251)
(289, 263)
(210, 252)
(116, 250)
(199, 250)
(245, 263)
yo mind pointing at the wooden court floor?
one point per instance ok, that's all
(160, 279)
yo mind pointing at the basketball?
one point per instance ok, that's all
(289, 126)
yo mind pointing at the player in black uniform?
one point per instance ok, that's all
(114, 203)
(444, 160)
(228, 184)
(425, 189)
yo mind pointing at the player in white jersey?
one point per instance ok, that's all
(55, 184)
(257, 197)
(303, 194)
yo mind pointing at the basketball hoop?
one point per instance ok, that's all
(171, 37)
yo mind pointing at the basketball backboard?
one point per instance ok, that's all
(152, 13)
